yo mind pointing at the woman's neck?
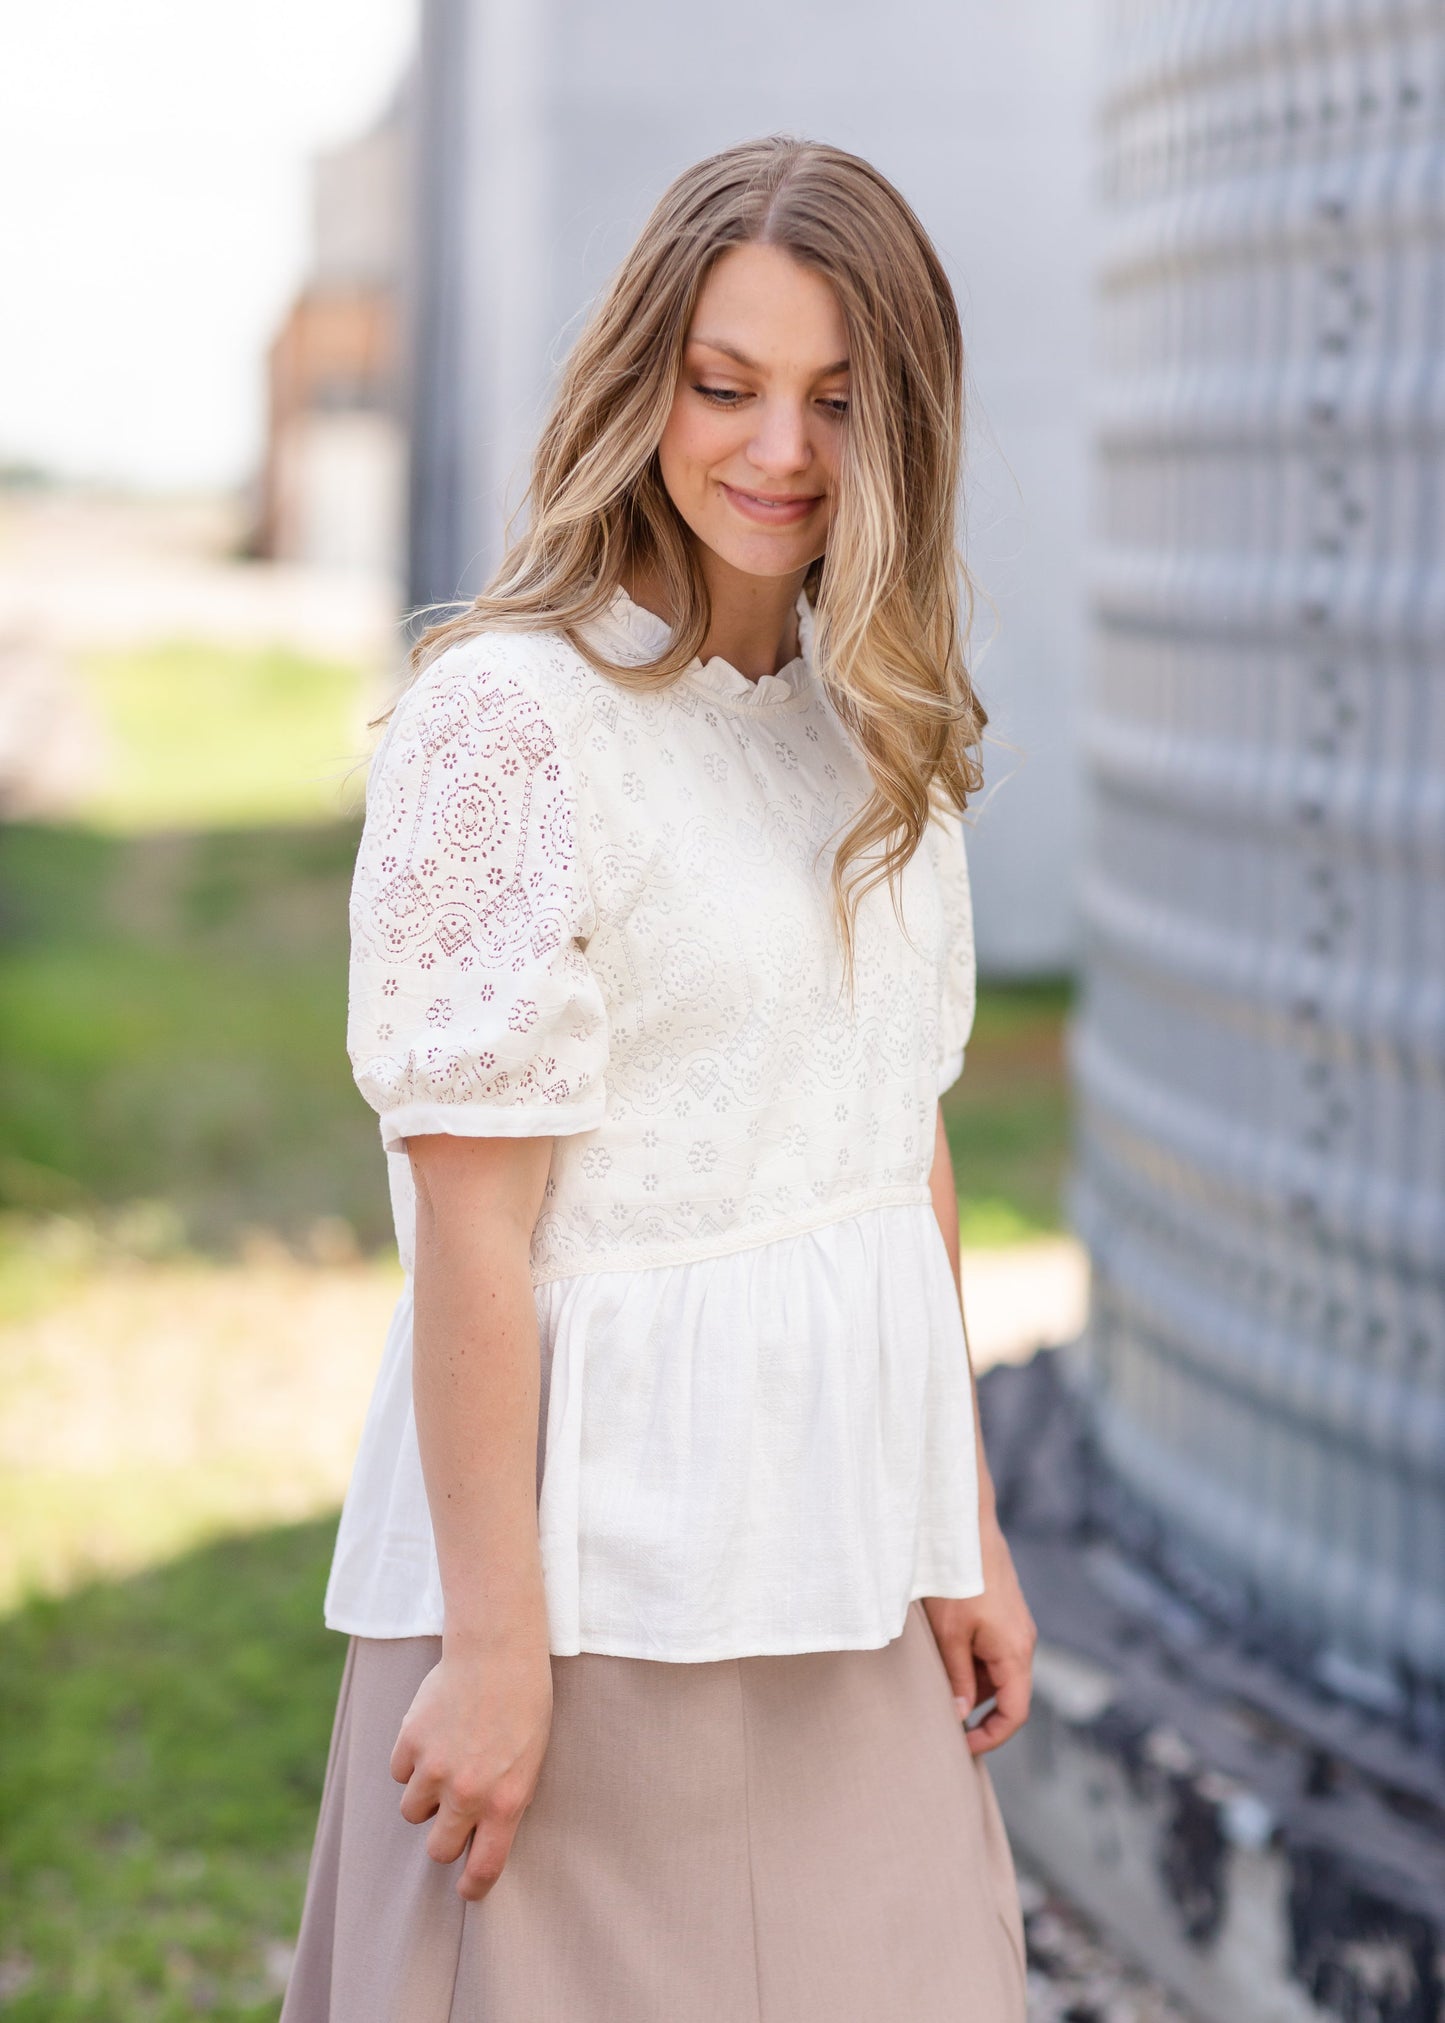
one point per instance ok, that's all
(754, 618)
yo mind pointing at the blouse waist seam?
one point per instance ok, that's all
(661, 1258)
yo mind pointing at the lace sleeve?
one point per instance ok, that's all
(958, 977)
(472, 1007)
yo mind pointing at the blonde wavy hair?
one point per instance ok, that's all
(892, 598)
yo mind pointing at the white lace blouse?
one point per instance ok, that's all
(601, 917)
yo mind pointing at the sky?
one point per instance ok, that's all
(154, 217)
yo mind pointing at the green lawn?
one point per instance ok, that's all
(173, 968)
(1008, 1117)
(162, 1746)
(173, 1011)
(201, 736)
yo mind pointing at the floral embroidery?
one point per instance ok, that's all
(574, 907)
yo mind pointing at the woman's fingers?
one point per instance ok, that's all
(490, 1824)
(491, 1845)
(989, 1733)
(403, 1759)
(958, 1663)
(1011, 1682)
(420, 1800)
(450, 1832)
(490, 1833)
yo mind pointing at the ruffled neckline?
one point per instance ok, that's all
(718, 677)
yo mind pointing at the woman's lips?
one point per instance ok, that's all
(769, 512)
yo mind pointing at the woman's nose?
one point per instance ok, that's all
(780, 444)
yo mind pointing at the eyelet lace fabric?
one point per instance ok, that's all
(603, 916)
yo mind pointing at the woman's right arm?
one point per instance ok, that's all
(478, 1032)
(471, 1746)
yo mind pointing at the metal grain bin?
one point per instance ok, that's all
(1260, 1047)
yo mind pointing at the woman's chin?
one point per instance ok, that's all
(759, 552)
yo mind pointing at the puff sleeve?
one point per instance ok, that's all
(472, 1008)
(957, 964)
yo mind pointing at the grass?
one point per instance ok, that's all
(202, 735)
(162, 1746)
(172, 974)
(146, 1405)
(174, 1014)
(1008, 1117)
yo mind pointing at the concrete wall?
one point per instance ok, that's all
(547, 129)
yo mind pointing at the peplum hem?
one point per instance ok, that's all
(756, 1453)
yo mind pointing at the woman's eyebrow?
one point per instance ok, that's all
(731, 351)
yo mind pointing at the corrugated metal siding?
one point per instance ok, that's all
(1260, 1050)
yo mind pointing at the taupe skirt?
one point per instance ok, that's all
(756, 1840)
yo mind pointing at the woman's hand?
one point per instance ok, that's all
(470, 1751)
(987, 1644)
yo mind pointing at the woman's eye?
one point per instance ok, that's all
(729, 396)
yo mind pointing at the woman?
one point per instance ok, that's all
(669, 1561)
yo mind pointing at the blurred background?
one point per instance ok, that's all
(288, 286)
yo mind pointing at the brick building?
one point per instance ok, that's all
(333, 488)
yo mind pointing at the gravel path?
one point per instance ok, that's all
(1076, 1976)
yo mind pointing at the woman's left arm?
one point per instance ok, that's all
(987, 1642)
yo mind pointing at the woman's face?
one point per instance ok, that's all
(751, 450)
